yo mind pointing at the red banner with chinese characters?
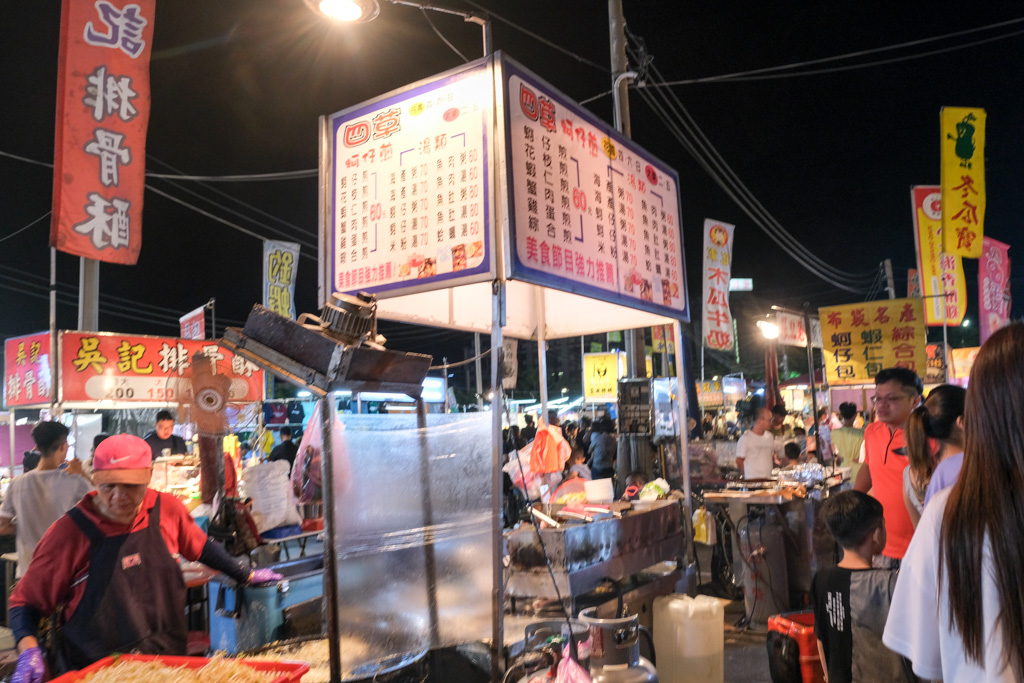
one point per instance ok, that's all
(102, 366)
(27, 370)
(99, 163)
(993, 286)
(862, 339)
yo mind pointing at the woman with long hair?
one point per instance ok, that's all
(958, 612)
(936, 422)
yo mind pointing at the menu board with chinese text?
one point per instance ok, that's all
(27, 370)
(592, 212)
(98, 366)
(409, 199)
(862, 339)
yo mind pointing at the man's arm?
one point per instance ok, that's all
(7, 526)
(863, 483)
(821, 656)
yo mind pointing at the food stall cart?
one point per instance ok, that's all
(484, 200)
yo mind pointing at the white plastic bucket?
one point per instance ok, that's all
(689, 639)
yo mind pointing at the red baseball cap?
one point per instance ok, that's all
(122, 459)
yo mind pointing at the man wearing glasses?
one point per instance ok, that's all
(897, 393)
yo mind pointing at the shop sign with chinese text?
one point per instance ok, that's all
(27, 370)
(193, 324)
(792, 331)
(862, 339)
(710, 394)
(102, 116)
(408, 197)
(962, 140)
(963, 361)
(601, 373)
(102, 366)
(593, 213)
(938, 272)
(936, 372)
(717, 319)
(280, 265)
(993, 287)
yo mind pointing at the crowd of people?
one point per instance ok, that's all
(928, 588)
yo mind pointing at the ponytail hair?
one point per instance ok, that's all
(936, 419)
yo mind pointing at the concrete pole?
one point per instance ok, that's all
(88, 295)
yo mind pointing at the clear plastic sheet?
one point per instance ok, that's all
(413, 542)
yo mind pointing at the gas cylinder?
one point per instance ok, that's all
(765, 579)
(615, 650)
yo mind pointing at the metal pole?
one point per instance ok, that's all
(211, 304)
(479, 373)
(497, 551)
(542, 351)
(88, 294)
(429, 557)
(945, 337)
(12, 420)
(889, 282)
(329, 612)
(814, 390)
(54, 379)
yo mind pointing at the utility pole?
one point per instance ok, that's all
(889, 283)
(635, 355)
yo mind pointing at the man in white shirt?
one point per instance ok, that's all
(755, 448)
(36, 499)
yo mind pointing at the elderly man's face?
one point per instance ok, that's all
(164, 429)
(120, 502)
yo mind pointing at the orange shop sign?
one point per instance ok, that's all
(99, 164)
(102, 366)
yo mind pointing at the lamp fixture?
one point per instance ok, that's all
(352, 11)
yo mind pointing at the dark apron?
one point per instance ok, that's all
(134, 597)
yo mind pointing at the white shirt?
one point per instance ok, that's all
(756, 452)
(918, 626)
(36, 500)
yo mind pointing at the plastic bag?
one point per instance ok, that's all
(700, 526)
(570, 671)
(307, 472)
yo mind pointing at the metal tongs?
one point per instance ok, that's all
(544, 518)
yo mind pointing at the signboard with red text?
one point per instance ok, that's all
(99, 165)
(592, 212)
(103, 366)
(27, 370)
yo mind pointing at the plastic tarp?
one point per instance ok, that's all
(414, 531)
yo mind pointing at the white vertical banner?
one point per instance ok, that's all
(717, 325)
(280, 260)
(510, 363)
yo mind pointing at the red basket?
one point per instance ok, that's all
(800, 627)
(289, 672)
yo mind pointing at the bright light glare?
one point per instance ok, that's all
(967, 322)
(342, 10)
(769, 330)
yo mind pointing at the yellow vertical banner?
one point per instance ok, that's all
(939, 273)
(962, 140)
(862, 339)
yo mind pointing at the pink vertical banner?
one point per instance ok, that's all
(993, 278)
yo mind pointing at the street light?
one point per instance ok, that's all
(353, 11)
(768, 330)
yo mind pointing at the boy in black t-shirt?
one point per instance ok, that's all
(851, 600)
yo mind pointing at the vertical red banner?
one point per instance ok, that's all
(100, 141)
(993, 286)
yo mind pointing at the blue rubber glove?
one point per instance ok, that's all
(30, 667)
(262, 575)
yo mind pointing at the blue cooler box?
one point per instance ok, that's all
(244, 618)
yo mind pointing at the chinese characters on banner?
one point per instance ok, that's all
(792, 331)
(409, 202)
(962, 139)
(718, 332)
(963, 361)
(102, 366)
(601, 373)
(593, 213)
(193, 324)
(280, 262)
(936, 359)
(27, 370)
(993, 286)
(938, 272)
(862, 339)
(100, 141)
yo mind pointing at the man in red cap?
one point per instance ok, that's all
(110, 564)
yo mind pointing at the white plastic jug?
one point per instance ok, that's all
(689, 639)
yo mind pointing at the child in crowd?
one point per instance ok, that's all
(851, 601)
(792, 453)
